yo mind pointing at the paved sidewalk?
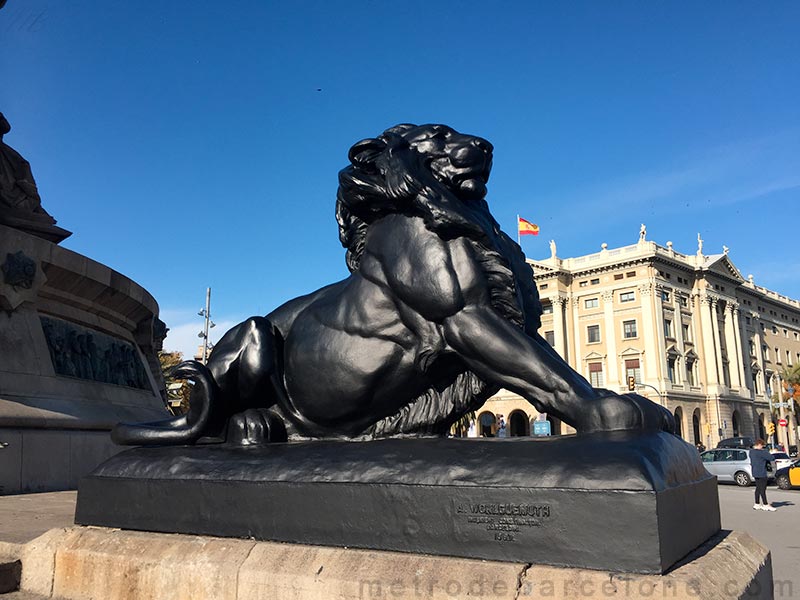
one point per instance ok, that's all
(27, 516)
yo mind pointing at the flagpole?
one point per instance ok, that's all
(518, 240)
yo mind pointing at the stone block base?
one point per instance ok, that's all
(85, 563)
(645, 495)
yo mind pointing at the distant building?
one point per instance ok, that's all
(697, 337)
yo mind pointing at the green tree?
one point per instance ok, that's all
(177, 389)
(791, 376)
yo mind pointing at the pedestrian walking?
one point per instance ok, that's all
(760, 460)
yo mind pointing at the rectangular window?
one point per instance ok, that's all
(671, 369)
(550, 336)
(543, 286)
(583, 283)
(632, 370)
(665, 295)
(618, 276)
(591, 303)
(593, 333)
(629, 329)
(547, 309)
(684, 301)
(686, 334)
(596, 374)
(690, 371)
(630, 274)
(668, 328)
(595, 281)
(627, 297)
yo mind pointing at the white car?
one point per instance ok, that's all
(782, 460)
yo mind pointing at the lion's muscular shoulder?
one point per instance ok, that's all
(433, 276)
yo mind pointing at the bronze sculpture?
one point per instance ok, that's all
(17, 188)
(439, 312)
(20, 204)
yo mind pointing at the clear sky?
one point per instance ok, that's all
(194, 144)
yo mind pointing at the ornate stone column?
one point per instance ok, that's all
(558, 326)
(652, 343)
(611, 338)
(707, 307)
(577, 335)
(733, 337)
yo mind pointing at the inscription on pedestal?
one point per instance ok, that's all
(88, 354)
(503, 521)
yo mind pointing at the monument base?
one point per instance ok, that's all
(631, 502)
(86, 563)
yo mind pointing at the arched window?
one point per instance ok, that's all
(698, 437)
(518, 424)
(486, 424)
(679, 422)
(555, 425)
(737, 421)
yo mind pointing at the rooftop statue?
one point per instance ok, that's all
(439, 312)
(20, 204)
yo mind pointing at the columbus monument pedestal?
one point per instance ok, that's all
(78, 345)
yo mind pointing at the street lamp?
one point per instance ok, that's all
(208, 324)
(790, 390)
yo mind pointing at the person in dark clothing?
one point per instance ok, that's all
(759, 459)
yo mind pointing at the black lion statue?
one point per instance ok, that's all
(439, 312)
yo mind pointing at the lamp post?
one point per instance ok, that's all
(783, 432)
(790, 390)
(208, 324)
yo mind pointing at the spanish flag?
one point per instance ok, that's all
(526, 227)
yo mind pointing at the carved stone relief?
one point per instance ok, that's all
(88, 354)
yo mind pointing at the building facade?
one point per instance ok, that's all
(695, 335)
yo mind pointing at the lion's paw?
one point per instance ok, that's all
(255, 426)
(615, 412)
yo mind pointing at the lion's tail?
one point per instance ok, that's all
(183, 429)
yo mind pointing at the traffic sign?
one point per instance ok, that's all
(783, 422)
(541, 428)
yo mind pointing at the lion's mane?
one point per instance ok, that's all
(389, 175)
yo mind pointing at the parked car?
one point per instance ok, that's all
(730, 464)
(788, 477)
(736, 442)
(781, 460)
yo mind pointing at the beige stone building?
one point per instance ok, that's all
(695, 335)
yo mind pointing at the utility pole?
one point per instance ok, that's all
(783, 432)
(208, 324)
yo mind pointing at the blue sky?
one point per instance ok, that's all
(195, 144)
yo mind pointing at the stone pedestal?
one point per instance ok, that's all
(77, 356)
(87, 563)
(546, 501)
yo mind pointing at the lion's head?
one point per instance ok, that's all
(440, 175)
(431, 171)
